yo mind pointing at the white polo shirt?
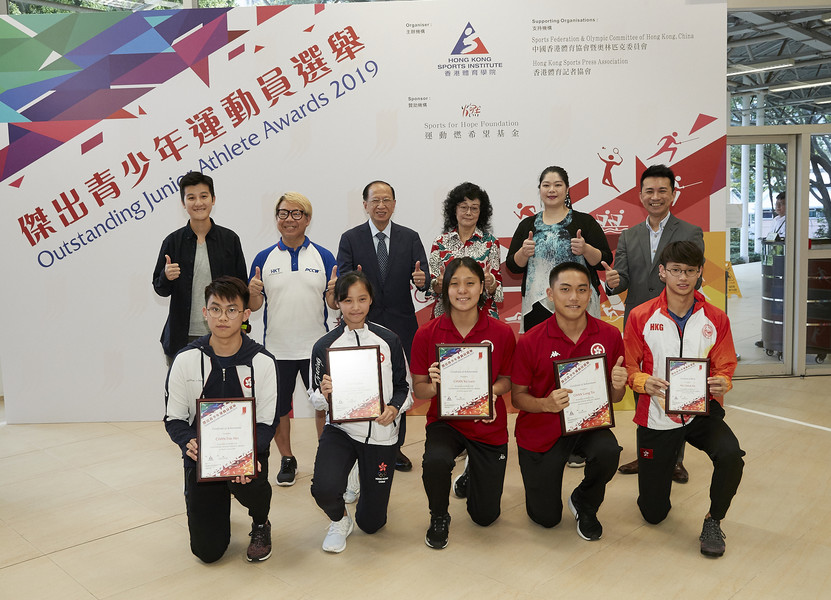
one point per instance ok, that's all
(294, 286)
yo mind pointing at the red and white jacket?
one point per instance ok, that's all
(652, 335)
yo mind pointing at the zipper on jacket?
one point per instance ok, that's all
(681, 348)
(369, 423)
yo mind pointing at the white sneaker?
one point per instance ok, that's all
(353, 486)
(335, 540)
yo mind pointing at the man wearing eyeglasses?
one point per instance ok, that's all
(392, 257)
(223, 364)
(294, 278)
(680, 323)
(639, 248)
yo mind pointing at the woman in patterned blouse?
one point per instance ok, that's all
(555, 235)
(467, 215)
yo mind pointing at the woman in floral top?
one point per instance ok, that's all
(467, 215)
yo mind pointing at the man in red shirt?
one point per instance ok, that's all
(681, 323)
(543, 451)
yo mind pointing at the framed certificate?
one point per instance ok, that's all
(466, 388)
(226, 439)
(688, 392)
(356, 384)
(589, 404)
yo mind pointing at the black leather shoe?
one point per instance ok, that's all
(630, 468)
(679, 474)
(402, 463)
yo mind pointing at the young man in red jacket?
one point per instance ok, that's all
(681, 323)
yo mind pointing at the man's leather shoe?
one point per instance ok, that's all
(679, 474)
(402, 463)
(629, 468)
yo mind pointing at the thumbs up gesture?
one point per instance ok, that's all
(528, 246)
(612, 276)
(578, 244)
(619, 375)
(255, 286)
(418, 275)
(330, 286)
(171, 269)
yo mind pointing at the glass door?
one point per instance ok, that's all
(760, 261)
(815, 323)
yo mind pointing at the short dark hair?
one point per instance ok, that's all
(567, 266)
(365, 193)
(659, 171)
(457, 195)
(346, 281)
(451, 269)
(228, 288)
(780, 196)
(553, 169)
(683, 252)
(195, 178)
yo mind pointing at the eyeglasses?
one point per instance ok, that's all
(688, 272)
(377, 201)
(296, 214)
(474, 210)
(232, 312)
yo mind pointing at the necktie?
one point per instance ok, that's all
(383, 255)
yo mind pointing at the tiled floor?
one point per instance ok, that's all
(96, 511)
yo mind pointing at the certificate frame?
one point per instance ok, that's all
(690, 394)
(226, 437)
(464, 394)
(590, 406)
(357, 393)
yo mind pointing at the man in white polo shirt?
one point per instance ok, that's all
(295, 279)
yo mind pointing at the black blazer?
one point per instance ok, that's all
(392, 305)
(225, 257)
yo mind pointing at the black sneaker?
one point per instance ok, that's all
(712, 538)
(575, 461)
(460, 483)
(260, 547)
(288, 467)
(588, 527)
(437, 534)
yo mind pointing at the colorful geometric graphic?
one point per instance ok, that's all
(63, 74)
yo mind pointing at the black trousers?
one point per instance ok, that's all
(336, 453)
(657, 452)
(209, 509)
(486, 469)
(542, 473)
(287, 371)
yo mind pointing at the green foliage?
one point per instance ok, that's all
(24, 8)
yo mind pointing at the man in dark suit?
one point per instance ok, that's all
(637, 256)
(392, 257)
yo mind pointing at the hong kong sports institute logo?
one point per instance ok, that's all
(470, 57)
(469, 42)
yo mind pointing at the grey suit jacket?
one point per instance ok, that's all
(638, 272)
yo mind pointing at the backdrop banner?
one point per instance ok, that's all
(104, 112)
